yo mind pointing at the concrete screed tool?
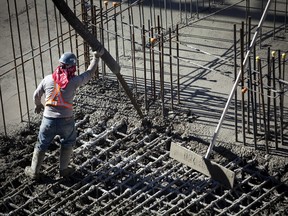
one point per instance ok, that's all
(96, 46)
(203, 164)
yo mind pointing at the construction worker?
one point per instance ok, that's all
(59, 89)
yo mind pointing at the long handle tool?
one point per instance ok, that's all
(203, 164)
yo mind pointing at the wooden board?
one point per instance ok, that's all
(202, 165)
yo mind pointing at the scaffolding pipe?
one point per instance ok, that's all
(212, 143)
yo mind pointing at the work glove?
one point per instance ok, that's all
(98, 53)
(38, 108)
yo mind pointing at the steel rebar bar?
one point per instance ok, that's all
(274, 98)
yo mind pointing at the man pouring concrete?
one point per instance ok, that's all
(59, 89)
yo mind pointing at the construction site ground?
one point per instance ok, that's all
(122, 162)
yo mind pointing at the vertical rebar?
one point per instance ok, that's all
(191, 8)
(171, 15)
(149, 45)
(248, 19)
(102, 37)
(22, 61)
(151, 16)
(279, 83)
(283, 56)
(259, 95)
(131, 25)
(3, 111)
(180, 10)
(144, 66)
(246, 26)
(255, 86)
(70, 35)
(258, 60)
(39, 38)
(166, 16)
(31, 44)
(93, 19)
(249, 80)
(116, 32)
(249, 6)
(153, 62)
(286, 9)
(274, 20)
(154, 14)
(57, 31)
(61, 32)
(160, 47)
(48, 34)
(94, 29)
(159, 17)
(141, 21)
(274, 99)
(235, 75)
(268, 92)
(242, 84)
(131, 20)
(107, 25)
(134, 62)
(197, 9)
(142, 13)
(260, 30)
(170, 63)
(122, 30)
(162, 73)
(185, 8)
(85, 44)
(76, 39)
(252, 104)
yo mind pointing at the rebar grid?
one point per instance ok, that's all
(132, 173)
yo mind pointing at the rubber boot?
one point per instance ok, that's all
(37, 159)
(65, 156)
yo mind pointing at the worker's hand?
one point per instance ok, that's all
(98, 53)
(38, 108)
